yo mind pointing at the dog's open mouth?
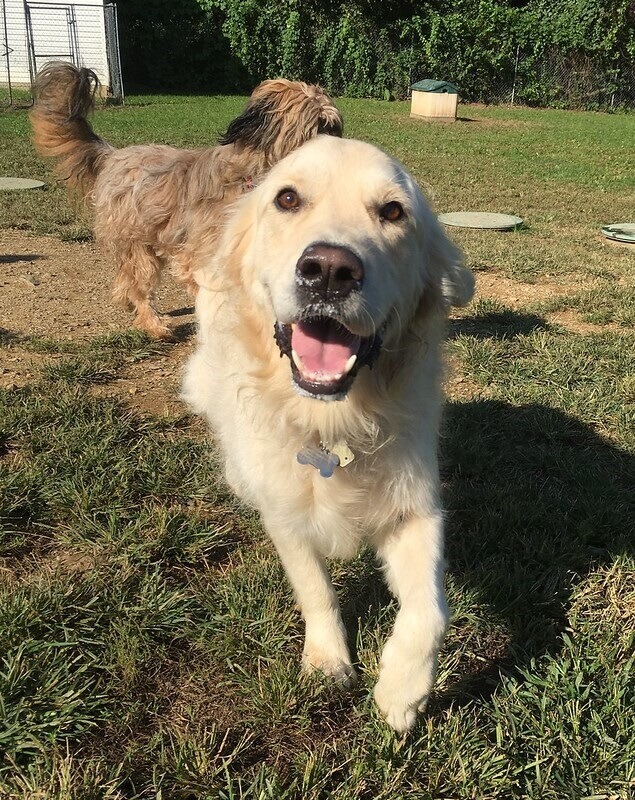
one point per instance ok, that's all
(325, 356)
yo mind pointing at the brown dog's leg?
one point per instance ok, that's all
(184, 263)
(138, 276)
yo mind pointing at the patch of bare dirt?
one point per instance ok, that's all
(457, 386)
(515, 294)
(572, 322)
(627, 246)
(19, 367)
(62, 290)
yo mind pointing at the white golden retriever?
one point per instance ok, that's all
(318, 367)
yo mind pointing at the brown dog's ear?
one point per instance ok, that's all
(280, 116)
(248, 128)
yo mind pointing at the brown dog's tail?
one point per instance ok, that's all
(64, 97)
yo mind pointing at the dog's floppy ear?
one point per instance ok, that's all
(457, 284)
(447, 264)
(248, 127)
(451, 282)
(219, 258)
(280, 116)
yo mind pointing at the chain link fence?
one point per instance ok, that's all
(533, 75)
(33, 33)
(565, 80)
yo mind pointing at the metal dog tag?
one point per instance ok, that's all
(319, 458)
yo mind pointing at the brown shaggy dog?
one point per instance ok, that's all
(152, 203)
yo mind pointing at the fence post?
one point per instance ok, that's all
(7, 53)
(515, 73)
(113, 56)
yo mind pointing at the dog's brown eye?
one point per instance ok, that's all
(391, 212)
(288, 200)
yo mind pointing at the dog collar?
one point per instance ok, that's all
(248, 181)
(325, 458)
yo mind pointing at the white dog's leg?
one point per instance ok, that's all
(413, 558)
(325, 647)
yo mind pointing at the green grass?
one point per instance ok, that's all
(149, 645)
(604, 304)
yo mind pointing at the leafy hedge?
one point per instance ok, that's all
(175, 45)
(377, 49)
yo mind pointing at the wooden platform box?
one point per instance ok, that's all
(439, 106)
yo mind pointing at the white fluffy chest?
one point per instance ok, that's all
(262, 430)
(358, 502)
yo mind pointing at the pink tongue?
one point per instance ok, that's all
(323, 346)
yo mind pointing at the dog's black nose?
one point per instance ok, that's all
(329, 272)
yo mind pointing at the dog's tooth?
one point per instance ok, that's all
(350, 364)
(296, 359)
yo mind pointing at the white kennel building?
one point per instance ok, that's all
(33, 32)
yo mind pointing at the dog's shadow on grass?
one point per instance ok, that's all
(535, 500)
(496, 325)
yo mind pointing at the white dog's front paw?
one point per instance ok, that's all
(397, 705)
(334, 666)
(404, 685)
